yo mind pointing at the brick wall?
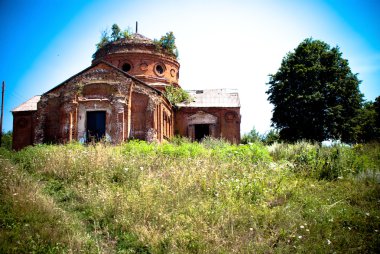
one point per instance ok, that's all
(23, 129)
(227, 124)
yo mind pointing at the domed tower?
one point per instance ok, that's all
(140, 57)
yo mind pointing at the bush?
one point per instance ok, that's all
(328, 163)
(177, 95)
(6, 140)
(167, 44)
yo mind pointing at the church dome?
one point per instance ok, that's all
(123, 45)
(141, 57)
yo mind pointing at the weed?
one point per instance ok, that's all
(184, 197)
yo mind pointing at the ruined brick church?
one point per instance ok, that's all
(121, 97)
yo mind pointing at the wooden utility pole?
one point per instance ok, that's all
(2, 112)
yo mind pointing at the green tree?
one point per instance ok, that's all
(315, 94)
(104, 39)
(376, 106)
(271, 137)
(116, 32)
(6, 140)
(251, 137)
(366, 129)
(167, 43)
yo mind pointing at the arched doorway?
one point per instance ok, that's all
(201, 125)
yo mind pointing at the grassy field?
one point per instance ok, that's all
(186, 197)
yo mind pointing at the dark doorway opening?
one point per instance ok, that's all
(201, 131)
(96, 125)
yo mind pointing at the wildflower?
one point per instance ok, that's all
(367, 214)
(302, 226)
(328, 242)
(300, 237)
(250, 229)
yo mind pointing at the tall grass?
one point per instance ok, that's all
(328, 163)
(184, 197)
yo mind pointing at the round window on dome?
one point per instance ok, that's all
(159, 69)
(126, 67)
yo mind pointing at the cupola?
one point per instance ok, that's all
(142, 58)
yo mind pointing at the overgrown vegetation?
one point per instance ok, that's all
(165, 44)
(115, 34)
(6, 140)
(177, 95)
(184, 197)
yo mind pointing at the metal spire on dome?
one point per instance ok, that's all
(137, 26)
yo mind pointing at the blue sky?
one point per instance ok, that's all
(222, 44)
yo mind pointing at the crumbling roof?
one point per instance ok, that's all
(29, 105)
(225, 98)
(139, 38)
(132, 39)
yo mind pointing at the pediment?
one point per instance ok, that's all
(95, 90)
(202, 117)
